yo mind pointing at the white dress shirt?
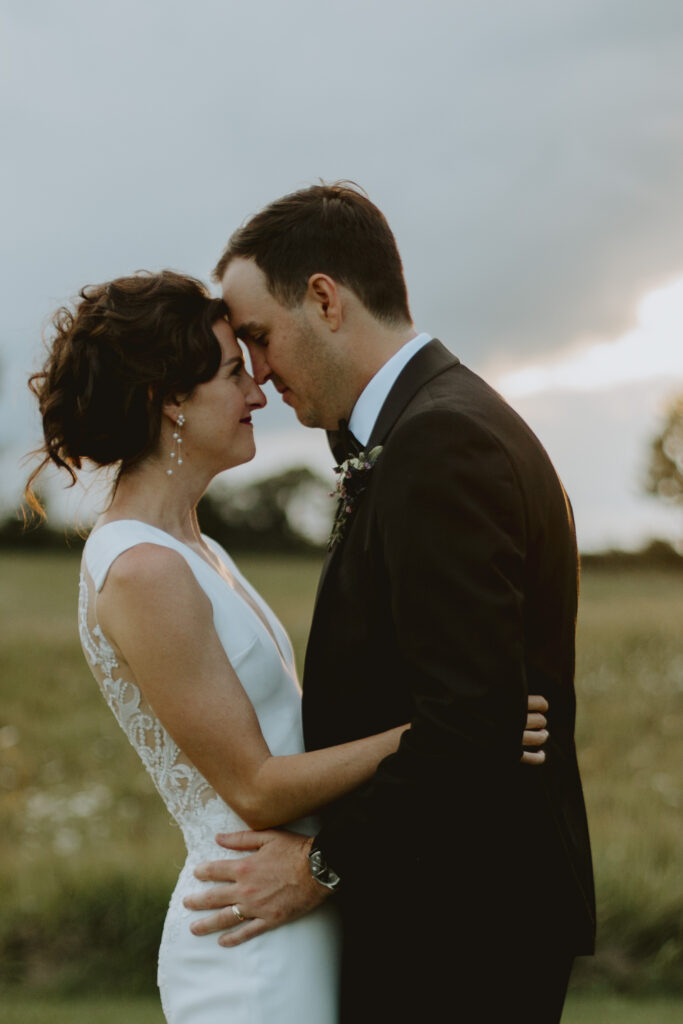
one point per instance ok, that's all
(373, 396)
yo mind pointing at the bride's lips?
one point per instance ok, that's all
(247, 420)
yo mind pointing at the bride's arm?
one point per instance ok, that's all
(161, 622)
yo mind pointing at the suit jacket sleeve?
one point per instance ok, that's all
(451, 523)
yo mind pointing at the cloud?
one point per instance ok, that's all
(528, 155)
(654, 349)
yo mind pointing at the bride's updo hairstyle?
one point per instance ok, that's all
(124, 349)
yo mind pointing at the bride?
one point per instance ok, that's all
(145, 374)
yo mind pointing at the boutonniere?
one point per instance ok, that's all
(352, 479)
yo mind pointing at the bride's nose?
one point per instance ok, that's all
(255, 396)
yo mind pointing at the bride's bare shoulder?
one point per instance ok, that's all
(150, 571)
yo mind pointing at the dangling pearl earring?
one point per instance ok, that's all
(177, 441)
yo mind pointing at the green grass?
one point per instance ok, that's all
(88, 855)
(581, 1008)
(589, 1008)
(36, 1010)
(630, 687)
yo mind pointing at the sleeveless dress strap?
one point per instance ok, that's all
(104, 546)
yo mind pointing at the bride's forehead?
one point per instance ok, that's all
(226, 338)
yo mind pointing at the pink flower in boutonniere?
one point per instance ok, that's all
(353, 477)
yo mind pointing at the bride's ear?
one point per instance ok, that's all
(171, 408)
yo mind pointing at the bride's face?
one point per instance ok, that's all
(218, 431)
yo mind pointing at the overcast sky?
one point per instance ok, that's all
(528, 155)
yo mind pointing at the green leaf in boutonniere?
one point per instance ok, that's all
(352, 478)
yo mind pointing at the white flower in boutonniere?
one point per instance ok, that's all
(352, 479)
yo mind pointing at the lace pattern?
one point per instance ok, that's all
(194, 804)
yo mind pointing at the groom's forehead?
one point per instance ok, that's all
(251, 306)
(244, 280)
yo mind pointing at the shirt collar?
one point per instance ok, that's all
(373, 396)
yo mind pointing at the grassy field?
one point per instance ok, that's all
(580, 1008)
(88, 856)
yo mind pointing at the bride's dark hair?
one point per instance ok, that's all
(113, 360)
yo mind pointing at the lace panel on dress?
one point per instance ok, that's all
(194, 804)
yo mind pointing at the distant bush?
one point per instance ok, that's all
(658, 554)
(96, 935)
(102, 936)
(21, 529)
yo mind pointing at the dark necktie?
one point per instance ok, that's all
(343, 443)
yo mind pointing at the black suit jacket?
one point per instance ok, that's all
(451, 596)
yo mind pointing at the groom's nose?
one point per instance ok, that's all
(259, 366)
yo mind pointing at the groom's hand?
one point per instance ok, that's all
(270, 887)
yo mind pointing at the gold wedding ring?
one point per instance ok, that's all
(238, 913)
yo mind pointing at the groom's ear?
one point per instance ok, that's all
(324, 297)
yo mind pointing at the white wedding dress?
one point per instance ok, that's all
(286, 976)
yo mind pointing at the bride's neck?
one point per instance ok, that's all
(150, 494)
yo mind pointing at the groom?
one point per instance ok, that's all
(463, 878)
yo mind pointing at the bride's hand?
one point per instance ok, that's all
(535, 732)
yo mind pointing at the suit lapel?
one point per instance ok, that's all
(431, 360)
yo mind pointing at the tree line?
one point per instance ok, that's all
(291, 512)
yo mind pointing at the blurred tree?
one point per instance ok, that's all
(291, 511)
(665, 469)
(288, 512)
(20, 528)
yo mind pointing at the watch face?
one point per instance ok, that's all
(321, 872)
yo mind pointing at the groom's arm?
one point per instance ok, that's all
(453, 530)
(453, 534)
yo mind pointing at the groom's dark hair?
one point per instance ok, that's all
(327, 229)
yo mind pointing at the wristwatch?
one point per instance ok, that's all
(319, 869)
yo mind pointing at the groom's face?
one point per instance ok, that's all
(284, 346)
